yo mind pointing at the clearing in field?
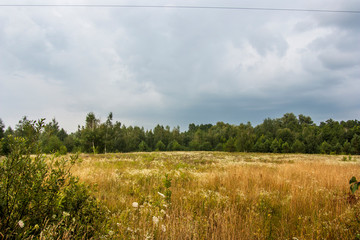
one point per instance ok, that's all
(213, 195)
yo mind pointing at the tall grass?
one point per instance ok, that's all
(225, 196)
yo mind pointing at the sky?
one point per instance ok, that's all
(175, 66)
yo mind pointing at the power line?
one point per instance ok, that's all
(181, 7)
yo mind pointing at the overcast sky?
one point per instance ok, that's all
(178, 66)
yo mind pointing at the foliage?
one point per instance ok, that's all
(40, 197)
(355, 144)
(325, 148)
(286, 134)
(160, 146)
(174, 146)
(298, 146)
(354, 185)
(285, 147)
(230, 145)
(275, 146)
(143, 147)
(167, 185)
(2, 126)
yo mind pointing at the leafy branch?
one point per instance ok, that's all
(354, 185)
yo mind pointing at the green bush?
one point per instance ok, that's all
(63, 150)
(354, 185)
(160, 146)
(39, 198)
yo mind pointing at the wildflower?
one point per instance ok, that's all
(111, 233)
(135, 204)
(148, 236)
(66, 214)
(21, 224)
(155, 220)
(162, 195)
(163, 228)
(36, 227)
(163, 211)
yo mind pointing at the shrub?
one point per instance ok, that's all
(39, 198)
(285, 147)
(63, 150)
(174, 146)
(230, 145)
(325, 148)
(143, 147)
(219, 147)
(51, 144)
(354, 185)
(298, 147)
(160, 146)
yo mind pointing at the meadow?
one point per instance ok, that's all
(217, 195)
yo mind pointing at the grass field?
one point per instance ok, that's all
(213, 195)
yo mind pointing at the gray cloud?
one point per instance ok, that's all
(335, 60)
(177, 66)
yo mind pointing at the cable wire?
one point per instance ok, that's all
(181, 7)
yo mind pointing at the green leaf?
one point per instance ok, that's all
(354, 187)
(352, 180)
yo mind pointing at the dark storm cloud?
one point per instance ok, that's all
(177, 66)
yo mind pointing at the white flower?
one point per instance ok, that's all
(148, 236)
(66, 214)
(21, 224)
(163, 228)
(111, 233)
(135, 204)
(162, 195)
(155, 220)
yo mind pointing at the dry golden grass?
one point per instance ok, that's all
(225, 195)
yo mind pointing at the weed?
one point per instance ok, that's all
(40, 198)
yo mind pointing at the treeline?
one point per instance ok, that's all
(288, 134)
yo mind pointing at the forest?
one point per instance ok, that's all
(288, 134)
